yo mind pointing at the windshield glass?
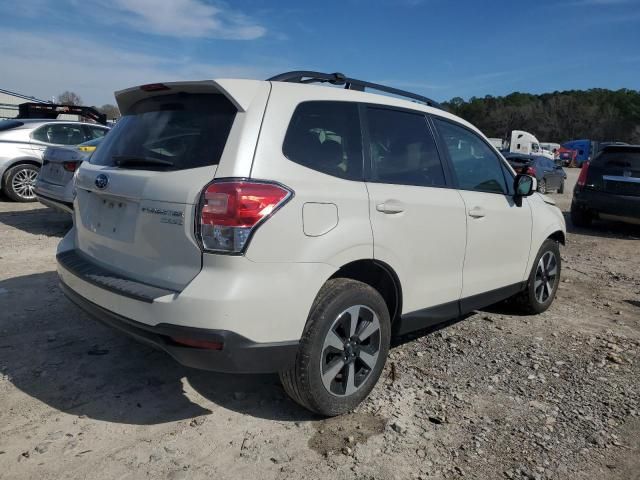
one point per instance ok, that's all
(180, 131)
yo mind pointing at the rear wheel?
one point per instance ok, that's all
(580, 217)
(561, 189)
(20, 182)
(542, 186)
(343, 349)
(543, 279)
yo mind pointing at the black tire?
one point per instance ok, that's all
(580, 217)
(561, 189)
(19, 182)
(542, 186)
(530, 300)
(303, 382)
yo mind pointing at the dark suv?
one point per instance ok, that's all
(608, 187)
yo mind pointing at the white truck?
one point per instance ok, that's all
(526, 143)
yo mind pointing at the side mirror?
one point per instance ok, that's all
(524, 186)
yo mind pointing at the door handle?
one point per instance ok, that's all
(390, 207)
(477, 212)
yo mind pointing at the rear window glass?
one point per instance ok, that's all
(325, 136)
(169, 132)
(91, 143)
(619, 160)
(9, 124)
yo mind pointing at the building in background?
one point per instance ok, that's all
(9, 102)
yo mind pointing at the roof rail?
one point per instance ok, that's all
(349, 84)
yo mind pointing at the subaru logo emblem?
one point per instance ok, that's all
(102, 181)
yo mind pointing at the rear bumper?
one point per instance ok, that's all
(56, 196)
(596, 202)
(238, 354)
(55, 204)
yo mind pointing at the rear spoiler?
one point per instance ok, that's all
(239, 92)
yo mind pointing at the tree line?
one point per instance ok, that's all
(71, 98)
(596, 114)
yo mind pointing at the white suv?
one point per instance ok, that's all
(277, 226)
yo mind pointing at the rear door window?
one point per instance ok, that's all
(326, 137)
(95, 132)
(169, 132)
(402, 148)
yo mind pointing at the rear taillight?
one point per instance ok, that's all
(70, 166)
(530, 171)
(230, 211)
(154, 87)
(582, 178)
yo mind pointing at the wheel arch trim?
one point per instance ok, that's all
(15, 162)
(359, 270)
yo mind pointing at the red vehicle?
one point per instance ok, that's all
(567, 156)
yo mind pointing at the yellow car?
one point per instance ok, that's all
(90, 146)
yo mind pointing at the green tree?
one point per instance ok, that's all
(596, 114)
(69, 98)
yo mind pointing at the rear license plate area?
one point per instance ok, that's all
(110, 217)
(55, 173)
(622, 188)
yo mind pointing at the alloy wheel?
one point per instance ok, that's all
(350, 350)
(543, 186)
(24, 183)
(546, 277)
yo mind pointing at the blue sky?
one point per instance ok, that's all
(439, 48)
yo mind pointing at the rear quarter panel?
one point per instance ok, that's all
(282, 238)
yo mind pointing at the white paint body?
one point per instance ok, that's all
(438, 252)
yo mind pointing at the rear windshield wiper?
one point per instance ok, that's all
(124, 160)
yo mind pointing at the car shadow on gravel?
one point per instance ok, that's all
(604, 229)
(54, 353)
(37, 221)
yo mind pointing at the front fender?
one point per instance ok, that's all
(547, 221)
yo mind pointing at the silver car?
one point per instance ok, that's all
(54, 187)
(22, 145)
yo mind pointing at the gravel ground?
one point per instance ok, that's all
(497, 395)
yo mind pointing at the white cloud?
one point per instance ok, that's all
(172, 18)
(43, 65)
(176, 18)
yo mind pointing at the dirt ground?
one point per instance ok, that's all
(498, 395)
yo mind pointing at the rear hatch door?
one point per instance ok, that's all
(137, 196)
(616, 171)
(59, 164)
